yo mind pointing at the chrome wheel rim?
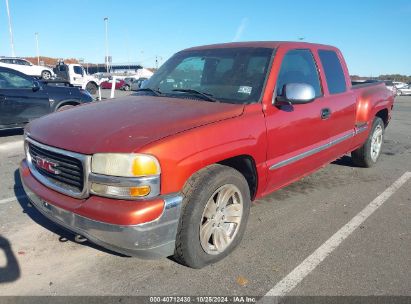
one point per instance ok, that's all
(221, 219)
(376, 143)
(46, 75)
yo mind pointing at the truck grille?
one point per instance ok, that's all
(60, 170)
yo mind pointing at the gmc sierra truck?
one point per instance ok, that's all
(172, 170)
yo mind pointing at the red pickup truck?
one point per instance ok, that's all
(172, 170)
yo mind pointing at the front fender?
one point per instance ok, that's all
(183, 154)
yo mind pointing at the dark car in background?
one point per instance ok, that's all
(24, 98)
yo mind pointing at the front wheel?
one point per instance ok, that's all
(91, 88)
(367, 156)
(46, 75)
(216, 206)
(126, 87)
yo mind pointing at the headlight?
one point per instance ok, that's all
(125, 165)
(126, 176)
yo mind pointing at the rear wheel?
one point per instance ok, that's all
(126, 87)
(46, 75)
(367, 156)
(91, 87)
(216, 206)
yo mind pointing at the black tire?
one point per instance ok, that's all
(197, 192)
(46, 75)
(91, 87)
(362, 157)
(126, 87)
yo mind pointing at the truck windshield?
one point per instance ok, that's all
(232, 75)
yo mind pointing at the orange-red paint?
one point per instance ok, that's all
(187, 136)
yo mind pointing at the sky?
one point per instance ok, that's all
(374, 36)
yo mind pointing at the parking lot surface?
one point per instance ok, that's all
(284, 229)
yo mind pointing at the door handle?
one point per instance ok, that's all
(325, 113)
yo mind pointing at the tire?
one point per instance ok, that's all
(46, 75)
(207, 235)
(91, 87)
(126, 87)
(367, 156)
(399, 93)
(65, 107)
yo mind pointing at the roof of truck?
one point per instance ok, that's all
(264, 44)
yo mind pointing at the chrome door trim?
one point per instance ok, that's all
(318, 149)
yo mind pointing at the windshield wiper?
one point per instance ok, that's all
(155, 92)
(206, 96)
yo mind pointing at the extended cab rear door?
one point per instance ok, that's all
(340, 100)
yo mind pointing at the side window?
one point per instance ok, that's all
(78, 70)
(24, 62)
(333, 71)
(13, 81)
(298, 66)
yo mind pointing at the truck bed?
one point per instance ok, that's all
(363, 84)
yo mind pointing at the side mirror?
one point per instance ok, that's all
(297, 93)
(36, 86)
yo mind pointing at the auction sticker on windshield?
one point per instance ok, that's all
(245, 90)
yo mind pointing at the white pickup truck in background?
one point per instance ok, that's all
(77, 76)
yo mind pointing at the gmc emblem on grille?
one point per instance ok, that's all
(45, 164)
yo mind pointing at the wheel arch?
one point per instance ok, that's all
(383, 114)
(245, 164)
(69, 102)
(92, 82)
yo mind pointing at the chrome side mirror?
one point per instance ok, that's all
(297, 93)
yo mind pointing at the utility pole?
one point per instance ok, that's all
(107, 61)
(158, 58)
(13, 53)
(37, 47)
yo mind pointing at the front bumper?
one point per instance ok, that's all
(152, 239)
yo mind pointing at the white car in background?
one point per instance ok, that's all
(399, 84)
(390, 86)
(26, 67)
(404, 90)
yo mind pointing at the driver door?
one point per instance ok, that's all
(296, 133)
(19, 102)
(78, 76)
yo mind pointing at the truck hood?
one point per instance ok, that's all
(126, 124)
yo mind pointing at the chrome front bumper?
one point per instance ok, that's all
(148, 240)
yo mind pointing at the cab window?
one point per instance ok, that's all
(13, 81)
(78, 70)
(298, 66)
(334, 73)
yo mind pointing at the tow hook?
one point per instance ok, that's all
(80, 239)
